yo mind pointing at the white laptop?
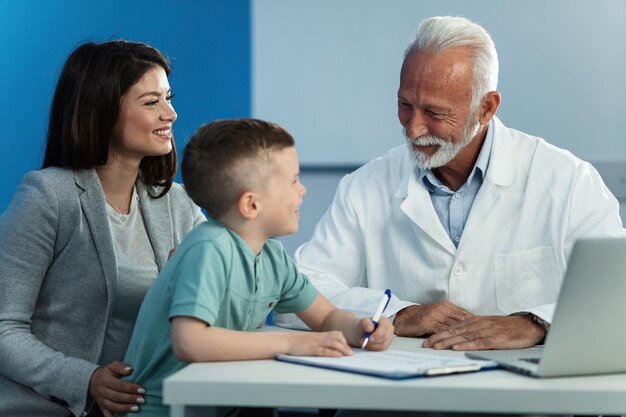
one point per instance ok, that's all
(588, 331)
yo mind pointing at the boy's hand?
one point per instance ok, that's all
(380, 339)
(331, 343)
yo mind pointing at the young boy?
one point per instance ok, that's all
(226, 276)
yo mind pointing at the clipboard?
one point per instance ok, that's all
(393, 364)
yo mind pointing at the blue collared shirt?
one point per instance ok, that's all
(453, 207)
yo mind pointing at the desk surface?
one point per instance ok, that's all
(270, 383)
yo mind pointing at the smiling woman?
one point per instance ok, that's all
(144, 126)
(84, 238)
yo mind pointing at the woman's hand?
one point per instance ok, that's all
(111, 393)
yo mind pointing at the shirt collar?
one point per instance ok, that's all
(239, 241)
(431, 182)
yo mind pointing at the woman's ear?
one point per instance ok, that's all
(248, 205)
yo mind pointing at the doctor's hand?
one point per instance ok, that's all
(113, 394)
(488, 332)
(418, 320)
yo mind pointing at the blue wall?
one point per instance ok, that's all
(207, 41)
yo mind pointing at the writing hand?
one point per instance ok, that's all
(381, 337)
(419, 320)
(111, 393)
(488, 332)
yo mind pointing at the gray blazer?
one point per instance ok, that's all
(58, 273)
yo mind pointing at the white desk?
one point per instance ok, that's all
(269, 383)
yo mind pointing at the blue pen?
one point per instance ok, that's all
(379, 312)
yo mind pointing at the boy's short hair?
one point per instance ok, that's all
(226, 158)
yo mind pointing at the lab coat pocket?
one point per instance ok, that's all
(526, 279)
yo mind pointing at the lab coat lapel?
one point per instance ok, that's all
(491, 208)
(418, 206)
(94, 207)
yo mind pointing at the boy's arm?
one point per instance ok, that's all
(322, 315)
(195, 341)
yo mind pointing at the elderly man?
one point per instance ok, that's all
(471, 224)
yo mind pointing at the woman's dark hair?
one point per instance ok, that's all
(86, 106)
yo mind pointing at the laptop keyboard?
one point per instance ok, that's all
(531, 360)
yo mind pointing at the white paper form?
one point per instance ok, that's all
(393, 364)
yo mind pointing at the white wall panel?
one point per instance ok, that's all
(328, 71)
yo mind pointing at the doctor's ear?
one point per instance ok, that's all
(248, 205)
(488, 107)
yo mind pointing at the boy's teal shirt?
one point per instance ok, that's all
(215, 277)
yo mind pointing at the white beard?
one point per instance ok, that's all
(446, 151)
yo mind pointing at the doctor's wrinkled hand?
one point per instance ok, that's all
(488, 332)
(381, 337)
(419, 320)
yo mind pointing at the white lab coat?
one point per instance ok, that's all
(381, 231)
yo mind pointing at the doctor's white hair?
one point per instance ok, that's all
(440, 33)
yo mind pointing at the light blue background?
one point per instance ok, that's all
(326, 70)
